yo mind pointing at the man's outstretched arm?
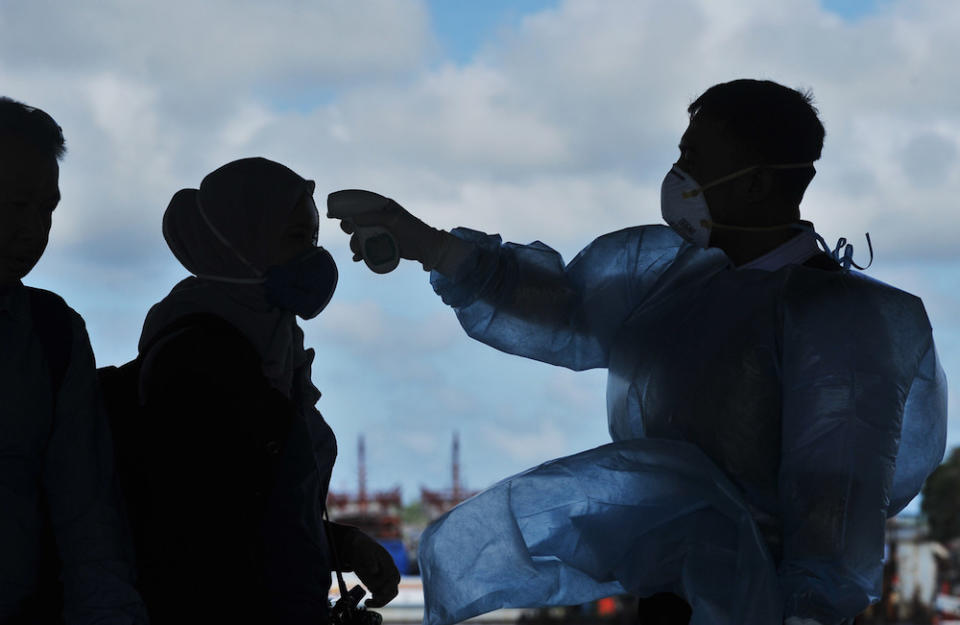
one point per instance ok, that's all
(523, 299)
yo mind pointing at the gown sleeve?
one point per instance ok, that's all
(639, 516)
(923, 436)
(523, 300)
(858, 367)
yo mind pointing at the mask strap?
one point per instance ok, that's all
(224, 240)
(712, 224)
(231, 280)
(847, 259)
(695, 192)
(822, 242)
(316, 231)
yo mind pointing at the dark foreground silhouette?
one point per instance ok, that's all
(66, 550)
(225, 460)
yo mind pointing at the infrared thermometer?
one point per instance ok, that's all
(377, 245)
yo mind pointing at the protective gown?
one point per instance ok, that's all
(764, 426)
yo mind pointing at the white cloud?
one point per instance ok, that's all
(242, 127)
(559, 130)
(527, 447)
(554, 132)
(210, 45)
(152, 95)
(420, 442)
(578, 392)
(367, 327)
(357, 323)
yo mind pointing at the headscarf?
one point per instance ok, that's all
(223, 231)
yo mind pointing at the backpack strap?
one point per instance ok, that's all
(182, 323)
(51, 321)
(201, 319)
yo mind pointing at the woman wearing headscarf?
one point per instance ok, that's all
(238, 459)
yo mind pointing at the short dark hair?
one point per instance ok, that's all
(32, 124)
(778, 123)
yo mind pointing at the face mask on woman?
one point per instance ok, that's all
(302, 285)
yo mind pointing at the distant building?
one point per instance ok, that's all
(913, 568)
(376, 514)
(380, 514)
(437, 502)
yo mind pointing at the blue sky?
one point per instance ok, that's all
(537, 120)
(853, 9)
(463, 27)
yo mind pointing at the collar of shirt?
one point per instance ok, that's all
(13, 301)
(796, 251)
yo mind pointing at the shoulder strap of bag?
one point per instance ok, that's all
(51, 320)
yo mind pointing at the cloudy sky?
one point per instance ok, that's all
(542, 119)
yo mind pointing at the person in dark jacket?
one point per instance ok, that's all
(238, 458)
(65, 552)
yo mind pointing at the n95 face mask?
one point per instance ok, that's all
(684, 206)
(303, 285)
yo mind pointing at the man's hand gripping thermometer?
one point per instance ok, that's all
(377, 245)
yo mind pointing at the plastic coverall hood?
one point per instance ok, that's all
(765, 425)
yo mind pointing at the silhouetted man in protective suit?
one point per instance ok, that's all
(769, 406)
